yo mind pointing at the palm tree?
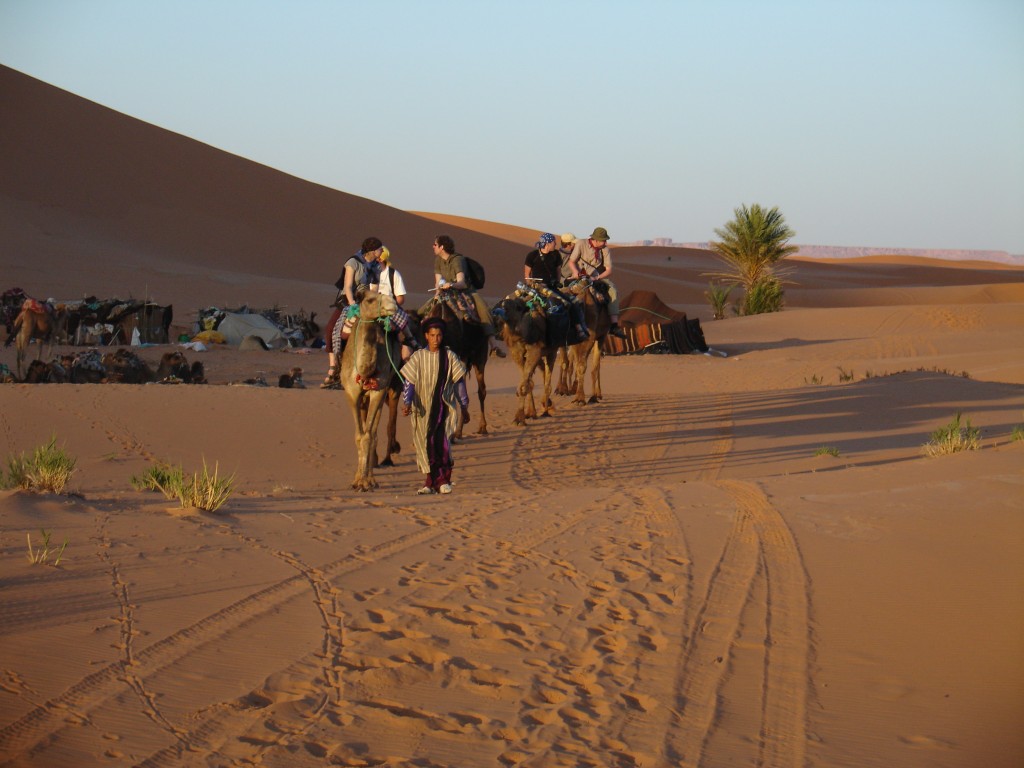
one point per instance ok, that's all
(751, 245)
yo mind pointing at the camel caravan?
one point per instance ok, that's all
(559, 334)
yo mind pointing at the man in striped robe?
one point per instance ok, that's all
(435, 396)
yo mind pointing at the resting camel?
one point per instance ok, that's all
(33, 324)
(467, 340)
(526, 332)
(588, 352)
(367, 365)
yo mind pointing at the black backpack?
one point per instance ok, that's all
(475, 274)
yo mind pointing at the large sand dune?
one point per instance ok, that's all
(670, 577)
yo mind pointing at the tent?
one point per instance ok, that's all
(236, 327)
(653, 326)
(94, 321)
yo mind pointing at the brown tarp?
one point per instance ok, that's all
(653, 326)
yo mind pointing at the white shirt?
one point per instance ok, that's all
(385, 283)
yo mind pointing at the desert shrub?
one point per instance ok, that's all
(46, 470)
(844, 375)
(204, 490)
(953, 438)
(717, 295)
(827, 450)
(160, 477)
(766, 295)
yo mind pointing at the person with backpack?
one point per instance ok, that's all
(593, 258)
(360, 271)
(391, 284)
(451, 273)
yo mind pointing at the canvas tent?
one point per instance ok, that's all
(653, 326)
(235, 327)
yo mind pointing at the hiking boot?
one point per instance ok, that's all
(615, 330)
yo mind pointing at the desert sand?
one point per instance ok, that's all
(669, 577)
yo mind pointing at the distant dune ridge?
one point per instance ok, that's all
(738, 560)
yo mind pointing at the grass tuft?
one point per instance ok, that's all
(953, 438)
(42, 553)
(827, 450)
(47, 470)
(204, 490)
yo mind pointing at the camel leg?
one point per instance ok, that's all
(563, 372)
(527, 407)
(481, 393)
(595, 375)
(366, 443)
(581, 353)
(359, 432)
(547, 407)
(372, 425)
(393, 445)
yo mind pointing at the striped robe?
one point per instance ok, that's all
(421, 370)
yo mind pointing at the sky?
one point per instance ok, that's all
(880, 123)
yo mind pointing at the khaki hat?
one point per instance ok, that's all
(600, 233)
(567, 238)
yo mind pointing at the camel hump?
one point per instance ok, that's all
(34, 305)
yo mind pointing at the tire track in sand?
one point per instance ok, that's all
(759, 538)
(44, 722)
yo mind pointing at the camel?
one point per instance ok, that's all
(11, 302)
(367, 366)
(588, 352)
(174, 369)
(467, 340)
(126, 367)
(34, 324)
(525, 332)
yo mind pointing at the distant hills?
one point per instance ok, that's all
(852, 252)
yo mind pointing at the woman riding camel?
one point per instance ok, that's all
(436, 397)
(361, 270)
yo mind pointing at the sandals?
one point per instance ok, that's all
(331, 380)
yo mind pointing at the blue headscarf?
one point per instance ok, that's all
(546, 238)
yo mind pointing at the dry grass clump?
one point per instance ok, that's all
(207, 490)
(47, 470)
(42, 553)
(953, 438)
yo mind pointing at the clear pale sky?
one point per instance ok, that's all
(895, 123)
